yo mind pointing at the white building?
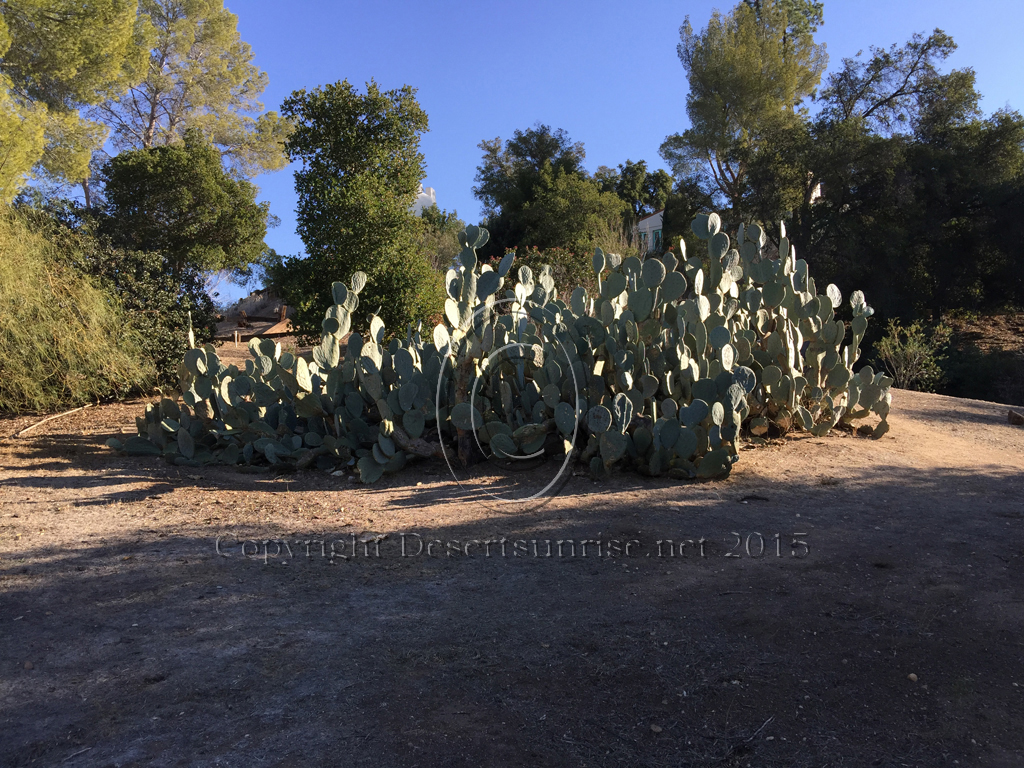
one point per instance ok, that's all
(648, 232)
(424, 199)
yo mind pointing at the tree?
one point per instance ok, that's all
(803, 17)
(748, 74)
(645, 192)
(536, 192)
(888, 90)
(199, 75)
(438, 237)
(360, 171)
(178, 201)
(572, 213)
(56, 57)
(509, 176)
(917, 186)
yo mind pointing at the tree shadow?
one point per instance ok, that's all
(153, 646)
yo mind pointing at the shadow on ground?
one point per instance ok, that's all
(155, 648)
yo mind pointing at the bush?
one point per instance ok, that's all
(914, 354)
(64, 338)
(157, 304)
(404, 290)
(155, 299)
(568, 269)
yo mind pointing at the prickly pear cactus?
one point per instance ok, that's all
(663, 369)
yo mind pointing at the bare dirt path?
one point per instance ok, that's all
(126, 639)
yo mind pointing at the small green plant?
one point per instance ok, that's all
(913, 354)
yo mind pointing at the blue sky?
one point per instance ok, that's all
(606, 72)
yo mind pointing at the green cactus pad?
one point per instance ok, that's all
(693, 414)
(653, 273)
(599, 419)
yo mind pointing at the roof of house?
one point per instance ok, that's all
(649, 215)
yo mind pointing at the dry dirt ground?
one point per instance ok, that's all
(894, 638)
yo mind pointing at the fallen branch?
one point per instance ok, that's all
(51, 418)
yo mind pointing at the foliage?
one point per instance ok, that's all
(644, 191)
(160, 306)
(509, 177)
(913, 354)
(567, 268)
(438, 237)
(199, 75)
(657, 369)
(888, 90)
(64, 340)
(536, 192)
(802, 16)
(899, 184)
(748, 73)
(360, 171)
(177, 200)
(927, 222)
(55, 57)
(570, 212)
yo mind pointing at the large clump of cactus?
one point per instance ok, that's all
(664, 369)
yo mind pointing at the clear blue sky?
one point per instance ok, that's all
(606, 72)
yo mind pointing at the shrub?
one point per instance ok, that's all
(158, 305)
(914, 354)
(156, 296)
(64, 339)
(568, 269)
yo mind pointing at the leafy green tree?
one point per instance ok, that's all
(511, 173)
(803, 17)
(438, 237)
(572, 213)
(360, 171)
(748, 72)
(57, 56)
(916, 188)
(888, 90)
(177, 200)
(643, 191)
(606, 178)
(199, 74)
(536, 192)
